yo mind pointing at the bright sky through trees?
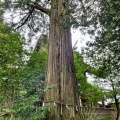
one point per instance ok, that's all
(79, 39)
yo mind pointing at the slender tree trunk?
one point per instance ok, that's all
(117, 107)
(60, 67)
(116, 100)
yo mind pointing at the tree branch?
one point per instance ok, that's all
(26, 18)
(118, 98)
(42, 9)
(29, 14)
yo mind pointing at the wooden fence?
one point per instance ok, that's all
(97, 113)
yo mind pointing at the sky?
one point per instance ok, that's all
(79, 38)
(76, 35)
(81, 42)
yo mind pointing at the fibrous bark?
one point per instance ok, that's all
(60, 67)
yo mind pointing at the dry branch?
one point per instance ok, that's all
(33, 6)
(42, 9)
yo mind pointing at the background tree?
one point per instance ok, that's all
(11, 67)
(90, 93)
(111, 82)
(20, 84)
(104, 51)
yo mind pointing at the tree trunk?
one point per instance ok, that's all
(60, 66)
(117, 107)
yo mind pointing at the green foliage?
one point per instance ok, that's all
(80, 66)
(10, 63)
(21, 82)
(106, 34)
(104, 51)
(87, 91)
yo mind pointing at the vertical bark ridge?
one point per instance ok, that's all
(60, 67)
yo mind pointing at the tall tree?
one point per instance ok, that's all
(104, 51)
(11, 67)
(20, 92)
(60, 67)
(111, 82)
(91, 93)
